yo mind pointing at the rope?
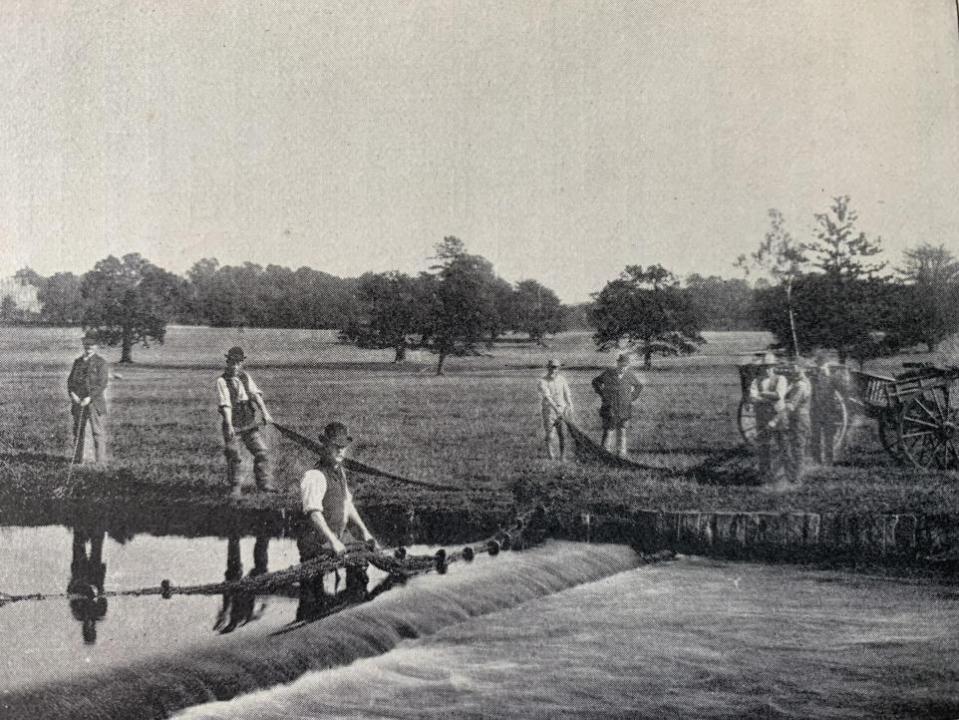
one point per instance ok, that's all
(358, 554)
(357, 466)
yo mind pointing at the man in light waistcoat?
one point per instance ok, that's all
(556, 403)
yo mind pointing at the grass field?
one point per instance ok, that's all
(476, 427)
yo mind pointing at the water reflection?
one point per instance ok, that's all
(87, 573)
(239, 606)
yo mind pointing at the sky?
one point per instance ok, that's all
(561, 140)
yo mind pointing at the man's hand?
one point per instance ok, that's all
(229, 431)
(338, 547)
(75, 398)
(85, 402)
(267, 418)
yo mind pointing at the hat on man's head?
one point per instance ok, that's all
(90, 338)
(336, 434)
(235, 354)
(623, 359)
(821, 357)
(553, 363)
(769, 359)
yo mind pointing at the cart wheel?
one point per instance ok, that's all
(842, 423)
(746, 419)
(929, 430)
(889, 436)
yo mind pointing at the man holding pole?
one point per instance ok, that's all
(239, 398)
(557, 404)
(87, 385)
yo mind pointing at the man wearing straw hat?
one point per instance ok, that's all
(768, 395)
(87, 386)
(556, 404)
(239, 397)
(329, 510)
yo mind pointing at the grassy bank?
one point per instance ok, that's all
(476, 427)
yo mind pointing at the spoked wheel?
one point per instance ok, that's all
(929, 430)
(889, 436)
(746, 419)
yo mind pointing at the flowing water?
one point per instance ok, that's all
(564, 630)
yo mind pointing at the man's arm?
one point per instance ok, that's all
(352, 515)
(567, 396)
(226, 409)
(99, 377)
(637, 387)
(598, 384)
(256, 397)
(70, 383)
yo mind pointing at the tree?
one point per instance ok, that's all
(649, 309)
(8, 309)
(29, 276)
(61, 301)
(461, 309)
(930, 303)
(389, 311)
(129, 301)
(780, 257)
(721, 304)
(839, 252)
(537, 310)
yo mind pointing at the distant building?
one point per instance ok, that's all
(22, 293)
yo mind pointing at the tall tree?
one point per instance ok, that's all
(930, 306)
(389, 311)
(462, 312)
(60, 299)
(129, 301)
(537, 310)
(781, 258)
(649, 309)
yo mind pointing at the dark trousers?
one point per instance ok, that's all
(821, 439)
(94, 420)
(254, 442)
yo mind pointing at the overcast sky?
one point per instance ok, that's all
(560, 140)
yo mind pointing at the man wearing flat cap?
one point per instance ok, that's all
(556, 403)
(618, 388)
(329, 510)
(239, 399)
(87, 386)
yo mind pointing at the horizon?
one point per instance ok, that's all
(561, 143)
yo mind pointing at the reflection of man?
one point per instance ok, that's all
(87, 384)
(239, 397)
(618, 388)
(768, 395)
(557, 403)
(239, 607)
(87, 573)
(328, 506)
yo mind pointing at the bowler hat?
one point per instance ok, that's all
(623, 359)
(553, 363)
(90, 338)
(336, 434)
(769, 359)
(235, 353)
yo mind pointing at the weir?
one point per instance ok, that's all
(158, 686)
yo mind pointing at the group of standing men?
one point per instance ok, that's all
(618, 388)
(795, 416)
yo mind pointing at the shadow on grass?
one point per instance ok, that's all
(33, 457)
(736, 466)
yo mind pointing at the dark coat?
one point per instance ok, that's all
(89, 378)
(617, 393)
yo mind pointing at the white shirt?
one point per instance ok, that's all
(313, 490)
(555, 392)
(223, 390)
(776, 384)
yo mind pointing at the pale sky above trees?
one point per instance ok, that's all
(562, 141)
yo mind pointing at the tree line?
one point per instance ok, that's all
(832, 291)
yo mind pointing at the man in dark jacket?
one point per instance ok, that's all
(618, 388)
(87, 384)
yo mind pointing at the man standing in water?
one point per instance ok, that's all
(87, 384)
(239, 397)
(557, 403)
(618, 389)
(328, 506)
